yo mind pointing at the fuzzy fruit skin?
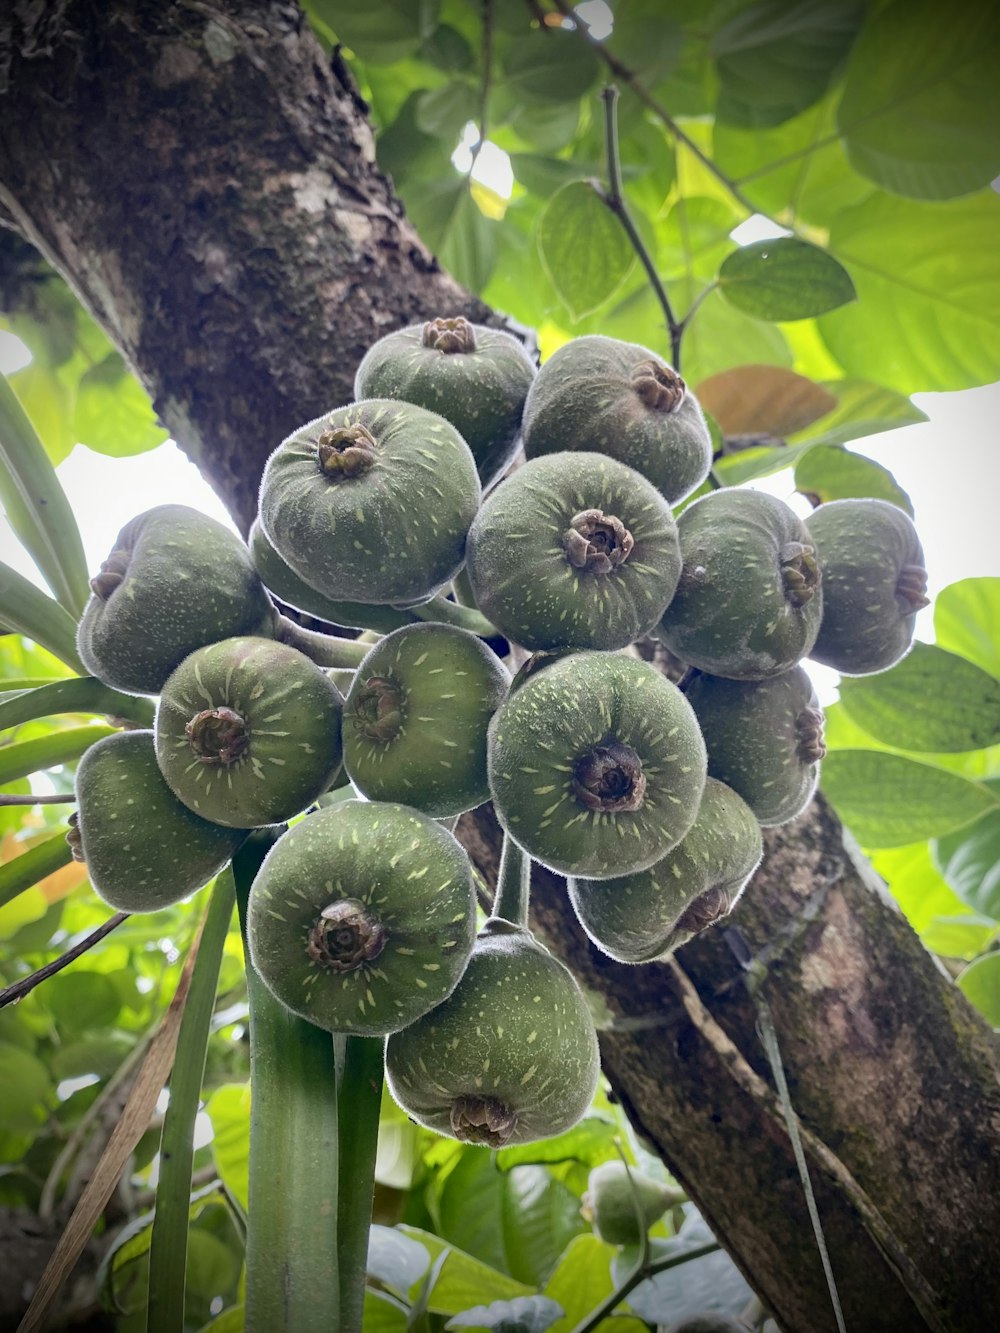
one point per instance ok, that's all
(540, 735)
(188, 581)
(863, 546)
(393, 533)
(644, 917)
(521, 571)
(480, 392)
(446, 684)
(292, 714)
(732, 614)
(408, 872)
(610, 1200)
(584, 398)
(755, 733)
(517, 1030)
(144, 850)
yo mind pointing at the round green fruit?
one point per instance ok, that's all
(476, 377)
(644, 917)
(874, 583)
(362, 917)
(618, 398)
(613, 1190)
(764, 739)
(596, 765)
(372, 502)
(749, 600)
(511, 1056)
(175, 580)
(574, 551)
(416, 716)
(144, 850)
(248, 732)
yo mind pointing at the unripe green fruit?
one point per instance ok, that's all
(643, 917)
(596, 765)
(618, 398)
(248, 732)
(372, 502)
(576, 551)
(611, 1197)
(416, 716)
(511, 1056)
(144, 850)
(710, 1323)
(764, 739)
(474, 376)
(749, 600)
(175, 580)
(362, 917)
(874, 583)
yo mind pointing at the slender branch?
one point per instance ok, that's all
(639, 1274)
(21, 988)
(484, 93)
(34, 799)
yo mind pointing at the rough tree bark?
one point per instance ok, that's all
(204, 177)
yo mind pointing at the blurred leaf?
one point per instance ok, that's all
(213, 1267)
(468, 1210)
(694, 236)
(646, 39)
(228, 1108)
(48, 402)
(590, 1142)
(82, 1000)
(583, 247)
(525, 1314)
(27, 1088)
(581, 1281)
(445, 111)
(395, 1259)
(451, 223)
(113, 414)
(784, 279)
(830, 472)
(761, 461)
(720, 337)
(706, 1286)
(963, 937)
(540, 1216)
(382, 33)
(463, 1280)
(980, 984)
(93, 1055)
(764, 400)
(383, 1315)
(969, 859)
(917, 885)
(861, 409)
(448, 49)
(544, 175)
(966, 616)
(550, 65)
(229, 1321)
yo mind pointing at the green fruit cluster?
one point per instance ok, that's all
(648, 796)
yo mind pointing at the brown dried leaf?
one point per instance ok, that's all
(764, 400)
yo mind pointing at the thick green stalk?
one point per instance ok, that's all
(360, 1099)
(461, 586)
(33, 865)
(169, 1243)
(513, 883)
(326, 650)
(17, 761)
(292, 1283)
(80, 694)
(461, 615)
(27, 610)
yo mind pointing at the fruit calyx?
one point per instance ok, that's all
(482, 1120)
(810, 746)
(218, 735)
(345, 937)
(911, 586)
(73, 837)
(659, 386)
(597, 542)
(609, 778)
(799, 572)
(449, 335)
(111, 574)
(706, 908)
(346, 451)
(378, 709)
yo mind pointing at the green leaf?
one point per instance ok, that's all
(583, 247)
(694, 235)
(384, 1315)
(930, 701)
(832, 473)
(775, 59)
(926, 277)
(468, 1212)
(93, 1055)
(544, 175)
(762, 461)
(966, 616)
(451, 223)
(228, 1109)
(581, 1281)
(82, 1001)
(720, 337)
(646, 39)
(28, 610)
(921, 99)
(463, 1281)
(888, 800)
(395, 1259)
(784, 279)
(711, 1284)
(525, 1314)
(969, 860)
(448, 49)
(231, 1321)
(980, 984)
(382, 33)
(57, 747)
(48, 403)
(550, 65)
(113, 414)
(917, 885)
(590, 1142)
(540, 1216)
(861, 409)
(26, 1090)
(444, 111)
(21, 872)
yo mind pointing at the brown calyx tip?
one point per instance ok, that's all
(378, 709)
(707, 908)
(609, 778)
(111, 573)
(218, 735)
(911, 587)
(73, 837)
(800, 573)
(597, 542)
(345, 936)
(449, 335)
(658, 385)
(809, 743)
(346, 451)
(482, 1120)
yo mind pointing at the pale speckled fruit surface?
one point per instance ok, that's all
(144, 849)
(449, 685)
(750, 733)
(557, 717)
(292, 711)
(481, 392)
(521, 573)
(611, 1199)
(189, 582)
(583, 399)
(639, 918)
(395, 533)
(863, 544)
(730, 614)
(414, 878)
(516, 1029)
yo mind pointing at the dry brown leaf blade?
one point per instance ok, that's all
(764, 400)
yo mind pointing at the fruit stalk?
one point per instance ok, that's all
(326, 650)
(359, 1099)
(513, 884)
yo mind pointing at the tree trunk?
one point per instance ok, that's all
(203, 175)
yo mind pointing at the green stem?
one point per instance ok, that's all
(639, 1274)
(513, 884)
(461, 586)
(12, 994)
(81, 694)
(17, 761)
(292, 1278)
(360, 1099)
(326, 650)
(462, 616)
(33, 865)
(27, 610)
(169, 1242)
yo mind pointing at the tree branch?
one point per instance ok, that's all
(21, 988)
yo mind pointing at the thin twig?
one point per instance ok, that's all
(21, 988)
(484, 94)
(33, 799)
(639, 1274)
